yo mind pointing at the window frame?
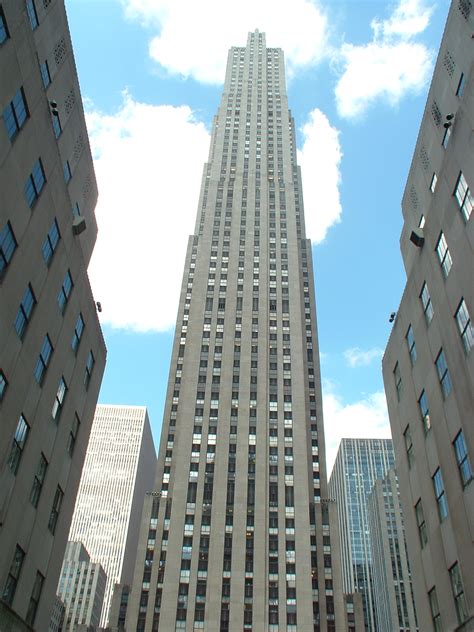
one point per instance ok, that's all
(38, 480)
(410, 340)
(461, 85)
(44, 359)
(13, 576)
(3, 384)
(73, 433)
(18, 444)
(25, 311)
(90, 364)
(424, 409)
(58, 403)
(4, 32)
(409, 449)
(457, 587)
(15, 114)
(397, 377)
(78, 331)
(434, 608)
(65, 292)
(35, 183)
(443, 374)
(51, 242)
(35, 598)
(443, 254)
(45, 73)
(32, 14)
(425, 298)
(421, 523)
(464, 324)
(463, 196)
(440, 494)
(462, 459)
(7, 236)
(55, 509)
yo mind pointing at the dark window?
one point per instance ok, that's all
(443, 374)
(51, 242)
(59, 399)
(4, 35)
(56, 122)
(398, 381)
(13, 575)
(3, 384)
(444, 256)
(45, 74)
(65, 292)
(424, 411)
(464, 197)
(408, 446)
(15, 114)
(76, 338)
(435, 613)
(440, 494)
(7, 247)
(426, 302)
(32, 15)
(73, 434)
(34, 599)
(465, 327)
(462, 458)
(18, 445)
(461, 85)
(410, 338)
(420, 521)
(24, 312)
(458, 593)
(38, 480)
(43, 360)
(67, 171)
(89, 368)
(35, 183)
(54, 515)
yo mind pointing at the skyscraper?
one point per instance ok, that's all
(428, 365)
(52, 354)
(359, 463)
(392, 586)
(118, 471)
(237, 535)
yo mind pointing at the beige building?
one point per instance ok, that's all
(52, 353)
(238, 533)
(429, 361)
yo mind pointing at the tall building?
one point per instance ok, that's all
(359, 463)
(238, 535)
(52, 354)
(392, 587)
(81, 587)
(428, 365)
(118, 471)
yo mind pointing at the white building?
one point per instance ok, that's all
(119, 469)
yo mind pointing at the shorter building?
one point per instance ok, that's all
(359, 463)
(392, 587)
(81, 587)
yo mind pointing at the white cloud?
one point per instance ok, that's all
(193, 38)
(358, 357)
(148, 163)
(389, 66)
(320, 159)
(366, 418)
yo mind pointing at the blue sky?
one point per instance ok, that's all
(151, 74)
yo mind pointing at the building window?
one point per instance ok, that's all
(434, 180)
(446, 137)
(54, 515)
(25, 310)
(89, 368)
(13, 575)
(444, 256)
(32, 15)
(15, 114)
(458, 593)
(8, 246)
(43, 360)
(73, 435)
(35, 183)
(435, 613)
(67, 171)
(463, 196)
(443, 374)
(440, 494)
(59, 400)
(462, 458)
(56, 122)
(398, 381)
(76, 339)
(4, 35)
(410, 338)
(420, 521)
(38, 480)
(51, 242)
(461, 85)
(465, 327)
(408, 445)
(45, 74)
(427, 304)
(424, 411)
(65, 292)
(3, 384)
(18, 445)
(34, 599)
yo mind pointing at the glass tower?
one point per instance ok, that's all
(236, 534)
